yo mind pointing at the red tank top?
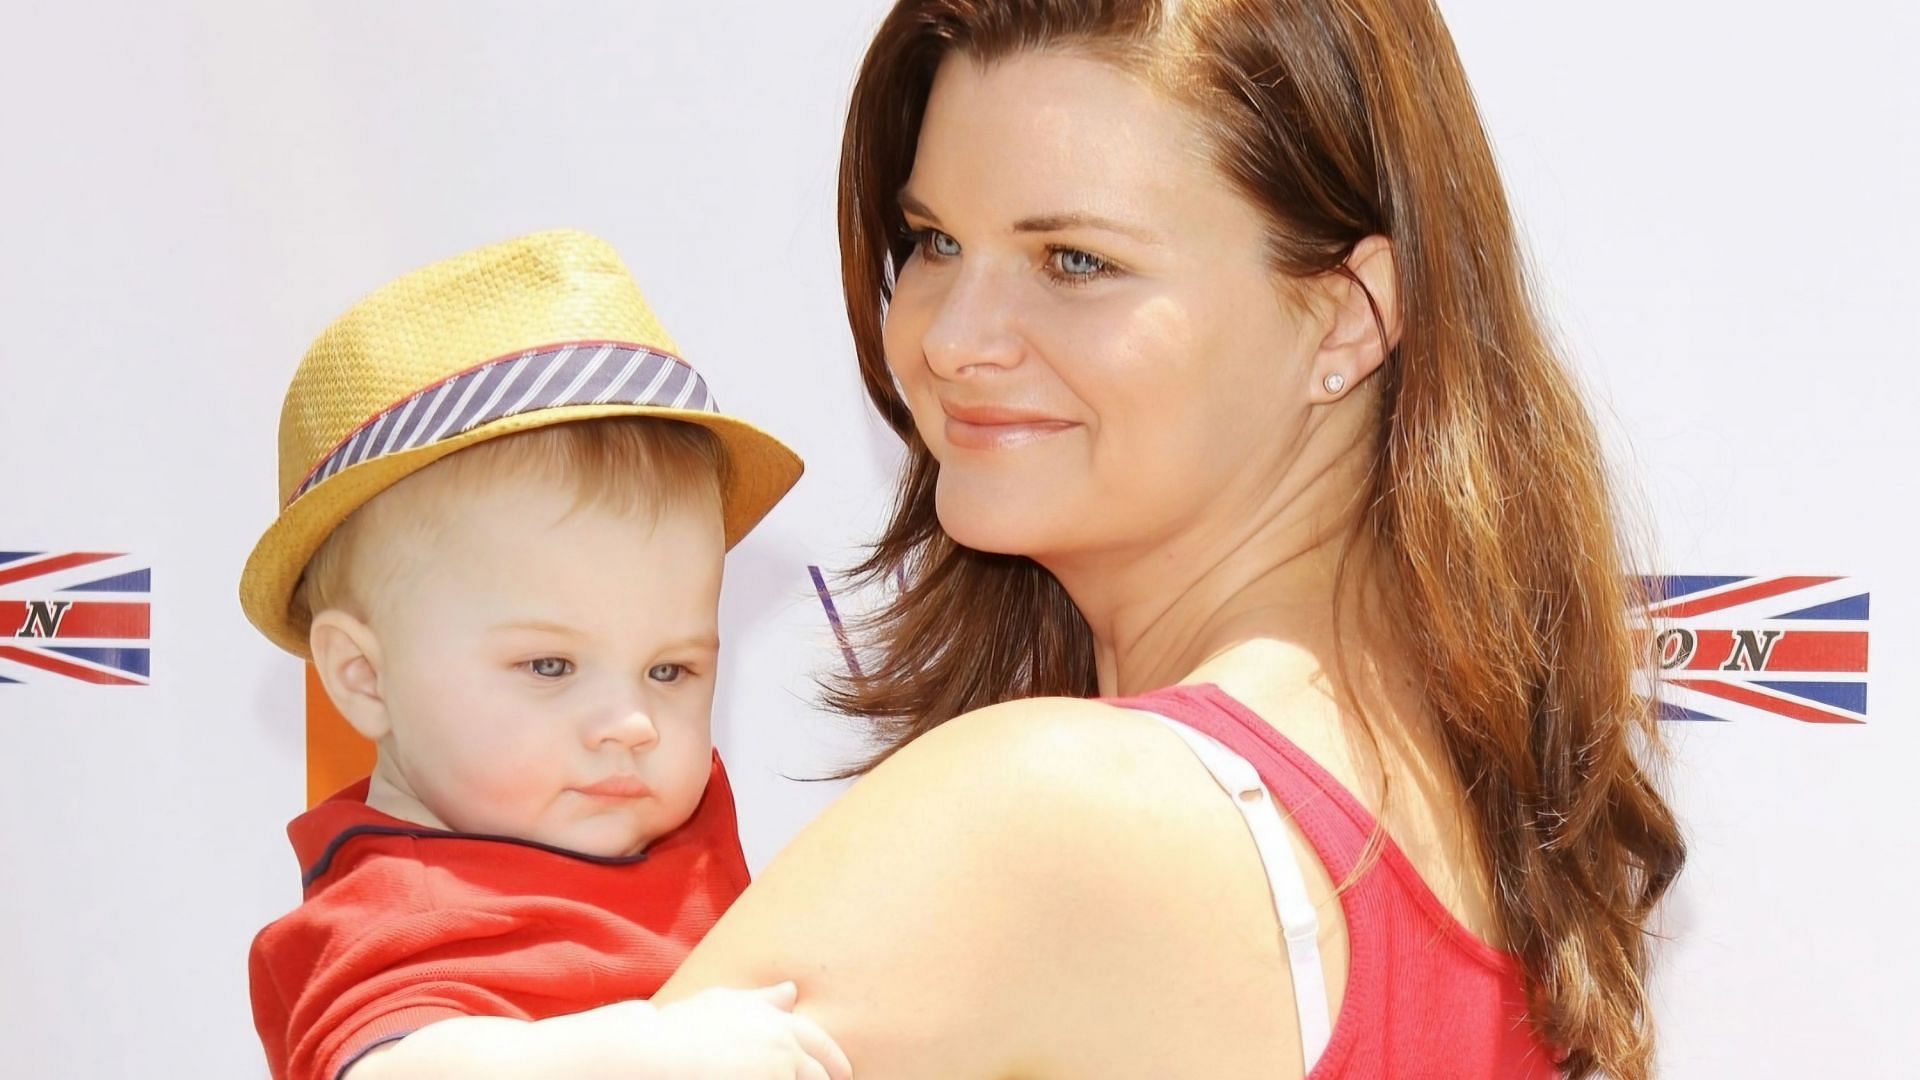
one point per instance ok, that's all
(1425, 997)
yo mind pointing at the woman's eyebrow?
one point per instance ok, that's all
(1080, 220)
(1040, 223)
(911, 205)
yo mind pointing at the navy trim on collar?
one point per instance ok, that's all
(325, 861)
(365, 1050)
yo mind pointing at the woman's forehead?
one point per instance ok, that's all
(1042, 134)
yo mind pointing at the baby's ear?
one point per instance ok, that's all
(347, 656)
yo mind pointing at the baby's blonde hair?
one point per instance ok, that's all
(627, 465)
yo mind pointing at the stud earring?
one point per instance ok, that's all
(1335, 382)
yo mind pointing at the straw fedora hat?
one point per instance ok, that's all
(546, 329)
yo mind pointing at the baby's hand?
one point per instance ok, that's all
(740, 1035)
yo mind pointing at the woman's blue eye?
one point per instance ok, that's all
(666, 672)
(1080, 263)
(935, 244)
(550, 667)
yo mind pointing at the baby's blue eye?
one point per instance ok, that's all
(1081, 263)
(666, 672)
(550, 667)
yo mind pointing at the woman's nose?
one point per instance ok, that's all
(971, 331)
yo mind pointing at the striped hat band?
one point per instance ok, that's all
(578, 373)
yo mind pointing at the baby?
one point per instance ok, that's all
(505, 503)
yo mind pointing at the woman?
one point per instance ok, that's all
(1226, 412)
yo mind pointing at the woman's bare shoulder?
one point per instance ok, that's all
(958, 912)
(1058, 751)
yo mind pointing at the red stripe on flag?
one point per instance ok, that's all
(85, 619)
(1743, 696)
(1744, 595)
(1834, 651)
(48, 566)
(64, 667)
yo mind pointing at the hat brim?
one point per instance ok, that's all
(760, 471)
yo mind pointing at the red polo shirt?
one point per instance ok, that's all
(404, 925)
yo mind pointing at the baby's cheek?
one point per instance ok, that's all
(507, 775)
(692, 782)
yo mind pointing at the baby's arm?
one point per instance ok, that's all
(717, 1035)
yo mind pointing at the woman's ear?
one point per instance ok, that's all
(346, 654)
(1357, 341)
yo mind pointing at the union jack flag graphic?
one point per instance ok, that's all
(1733, 647)
(77, 615)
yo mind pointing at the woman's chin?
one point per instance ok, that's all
(997, 522)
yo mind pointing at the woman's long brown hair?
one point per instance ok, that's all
(1341, 119)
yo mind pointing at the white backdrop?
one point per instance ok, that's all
(1715, 193)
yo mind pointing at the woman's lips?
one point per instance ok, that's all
(982, 428)
(617, 787)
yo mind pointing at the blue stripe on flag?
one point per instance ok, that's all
(135, 581)
(1668, 588)
(1840, 695)
(1670, 711)
(1853, 607)
(132, 661)
(16, 556)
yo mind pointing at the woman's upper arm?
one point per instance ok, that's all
(957, 913)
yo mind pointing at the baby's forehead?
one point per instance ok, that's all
(435, 517)
(518, 527)
(537, 510)
(489, 485)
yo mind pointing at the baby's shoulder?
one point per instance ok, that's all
(378, 899)
(359, 884)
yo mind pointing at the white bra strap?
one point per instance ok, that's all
(1299, 923)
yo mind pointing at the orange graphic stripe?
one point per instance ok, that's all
(336, 754)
